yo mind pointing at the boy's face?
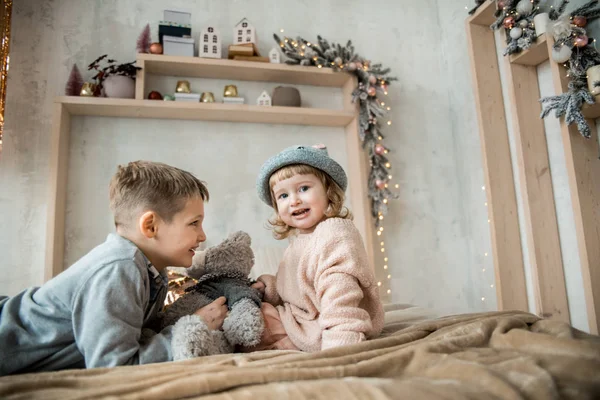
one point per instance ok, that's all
(301, 201)
(176, 241)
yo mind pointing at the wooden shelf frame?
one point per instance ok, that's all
(66, 107)
(540, 219)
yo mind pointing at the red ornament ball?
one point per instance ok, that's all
(359, 65)
(581, 41)
(509, 22)
(379, 149)
(372, 91)
(501, 4)
(154, 95)
(579, 21)
(380, 184)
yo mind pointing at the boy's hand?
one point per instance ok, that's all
(214, 313)
(260, 286)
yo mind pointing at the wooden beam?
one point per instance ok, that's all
(511, 289)
(59, 160)
(211, 68)
(484, 15)
(536, 189)
(358, 174)
(533, 56)
(583, 169)
(140, 79)
(130, 108)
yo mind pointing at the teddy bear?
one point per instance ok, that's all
(221, 270)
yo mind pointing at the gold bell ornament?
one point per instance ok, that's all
(230, 91)
(88, 89)
(183, 87)
(207, 97)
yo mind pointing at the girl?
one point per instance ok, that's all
(324, 292)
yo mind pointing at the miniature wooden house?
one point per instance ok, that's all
(274, 56)
(244, 32)
(209, 45)
(264, 99)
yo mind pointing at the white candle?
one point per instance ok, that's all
(541, 22)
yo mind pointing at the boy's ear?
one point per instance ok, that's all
(148, 224)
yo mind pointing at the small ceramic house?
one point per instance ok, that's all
(209, 45)
(274, 56)
(264, 99)
(244, 32)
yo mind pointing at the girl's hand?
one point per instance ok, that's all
(260, 286)
(214, 313)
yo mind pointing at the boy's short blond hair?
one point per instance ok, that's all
(142, 186)
(335, 195)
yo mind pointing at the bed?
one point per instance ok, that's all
(497, 355)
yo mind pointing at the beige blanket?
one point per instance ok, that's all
(501, 355)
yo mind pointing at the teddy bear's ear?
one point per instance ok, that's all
(241, 237)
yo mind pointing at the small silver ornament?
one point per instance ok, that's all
(516, 32)
(523, 23)
(338, 60)
(524, 7)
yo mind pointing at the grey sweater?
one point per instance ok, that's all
(90, 315)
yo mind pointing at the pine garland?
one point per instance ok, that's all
(567, 30)
(373, 80)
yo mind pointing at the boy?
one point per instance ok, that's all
(92, 314)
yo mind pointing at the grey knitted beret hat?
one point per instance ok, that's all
(313, 156)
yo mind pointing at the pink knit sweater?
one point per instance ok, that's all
(325, 289)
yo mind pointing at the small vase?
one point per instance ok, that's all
(286, 96)
(119, 86)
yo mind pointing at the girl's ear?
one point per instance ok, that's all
(148, 224)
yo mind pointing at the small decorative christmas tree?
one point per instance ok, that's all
(143, 42)
(74, 83)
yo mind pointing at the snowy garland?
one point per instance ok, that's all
(373, 81)
(573, 48)
(516, 17)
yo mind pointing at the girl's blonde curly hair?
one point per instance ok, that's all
(335, 195)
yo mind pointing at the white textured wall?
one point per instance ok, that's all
(436, 234)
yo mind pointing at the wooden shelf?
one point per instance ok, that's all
(240, 70)
(129, 108)
(533, 56)
(484, 14)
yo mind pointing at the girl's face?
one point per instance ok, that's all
(301, 201)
